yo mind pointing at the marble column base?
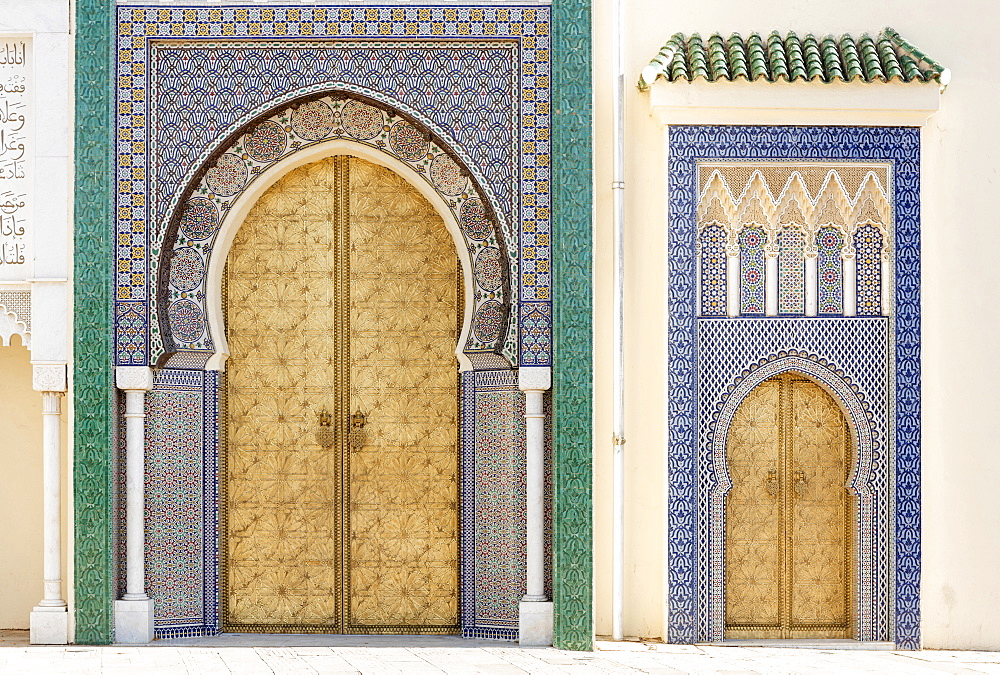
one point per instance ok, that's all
(534, 624)
(49, 626)
(133, 622)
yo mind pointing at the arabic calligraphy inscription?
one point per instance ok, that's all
(16, 150)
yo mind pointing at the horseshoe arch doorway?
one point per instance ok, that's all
(340, 475)
(789, 559)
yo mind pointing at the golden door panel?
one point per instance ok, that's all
(403, 556)
(753, 527)
(341, 297)
(788, 547)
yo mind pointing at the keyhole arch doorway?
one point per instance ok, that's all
(790, 534)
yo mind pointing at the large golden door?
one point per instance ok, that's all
(788, 515)
(341, 469)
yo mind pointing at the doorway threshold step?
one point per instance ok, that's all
(804, 644)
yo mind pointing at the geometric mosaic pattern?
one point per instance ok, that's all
(490, 109)
(713, 271)
(895, 602)
(493, 504)
(830, 271)
(752, 240)
(868, 244)
(791, 272)
(494, 545)
(182, 503)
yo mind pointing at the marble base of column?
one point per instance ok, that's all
(133, 622)
(49, 626)
(534, 624)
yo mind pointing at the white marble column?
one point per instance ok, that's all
(771, 282)
(886, 290)
(134, 612)
(535, 612)
(850, 281)
(49, 620)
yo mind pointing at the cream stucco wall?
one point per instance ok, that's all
(961, 504)
(20, 489)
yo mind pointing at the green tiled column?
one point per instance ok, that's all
(92, 325)
(572, 386)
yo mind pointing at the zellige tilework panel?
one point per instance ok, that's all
(898, 147)
(169, 121)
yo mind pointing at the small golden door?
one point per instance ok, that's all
(788, 515)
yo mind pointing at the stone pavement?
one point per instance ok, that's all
(313, 654)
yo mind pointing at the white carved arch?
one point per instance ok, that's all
(241, 208)
(15, 317)
(716, 204)
(833, 205)
(872, 207)
(757, 205)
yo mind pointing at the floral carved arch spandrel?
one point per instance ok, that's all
(224, 188)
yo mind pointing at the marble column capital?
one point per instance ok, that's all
(534, 378)
(134, 378)
(48, 377)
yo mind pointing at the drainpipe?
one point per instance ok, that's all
(618, 440)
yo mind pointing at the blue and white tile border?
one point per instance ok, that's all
(898, 146)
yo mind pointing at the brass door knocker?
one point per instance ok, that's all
(357, 436)
(800, 483)
(771, 483)
(326, 435)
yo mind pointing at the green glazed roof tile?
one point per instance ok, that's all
(887, 57)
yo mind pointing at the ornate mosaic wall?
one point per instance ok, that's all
(182, 517)
(494, 546)
(871, 365)
(823, 227)
(481, 88)
(461, 94)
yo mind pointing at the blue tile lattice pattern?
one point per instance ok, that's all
(871, 365)
(477, 76)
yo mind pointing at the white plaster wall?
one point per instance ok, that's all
(961, 235)
(47, 23)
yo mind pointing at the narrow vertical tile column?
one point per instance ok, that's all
(134, 612)
(535, 612)
(733, 280)
(811, 282)
(49, 620)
